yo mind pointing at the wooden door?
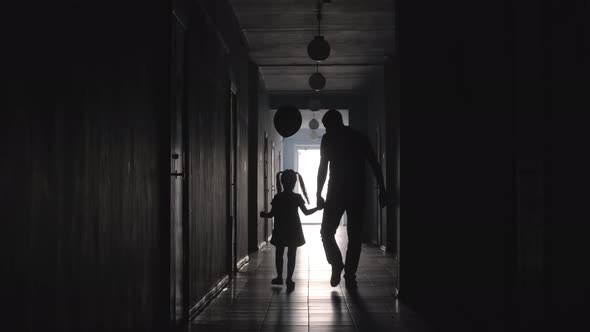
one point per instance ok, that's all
(178, 190)
(266, 185)
(233, 181)
(381, 222)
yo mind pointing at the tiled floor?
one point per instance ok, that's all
(250, 303)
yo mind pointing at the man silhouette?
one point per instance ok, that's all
(346, 150)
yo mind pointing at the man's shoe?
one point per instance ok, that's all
(350, 281)
(336, 272)
(351, 284)
(290, 285)
(277, 281)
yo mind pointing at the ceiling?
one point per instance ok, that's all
(360, 33)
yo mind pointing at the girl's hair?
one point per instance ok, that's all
(290, 177)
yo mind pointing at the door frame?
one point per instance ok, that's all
(178, 170)
(265, 186)
(381, 219)
(232, 179)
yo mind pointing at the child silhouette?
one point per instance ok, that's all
(287, 230)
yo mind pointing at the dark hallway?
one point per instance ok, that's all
(147, 146)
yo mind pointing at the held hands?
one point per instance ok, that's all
(382, 199)
(320, 202)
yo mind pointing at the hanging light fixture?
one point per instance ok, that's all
(319, 49)
(314, 105)
(314, 124)
(317, 81)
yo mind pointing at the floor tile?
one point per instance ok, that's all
(251, 303)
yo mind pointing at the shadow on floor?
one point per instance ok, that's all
(251, 303)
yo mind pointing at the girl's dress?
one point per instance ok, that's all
(287, 230)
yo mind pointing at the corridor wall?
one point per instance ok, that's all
(260, 119)
(87, 217)
(392, 149)
(208, 93)
(218, 63)
(471, 236)
(377, 130)
(227, 26)
(82, 186)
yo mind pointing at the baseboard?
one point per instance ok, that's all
(242, 262)
(262, 245)
(383, 248)
(197, 308)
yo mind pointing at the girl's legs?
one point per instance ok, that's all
(280, 251)
(291, 263)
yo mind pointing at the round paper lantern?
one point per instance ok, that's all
(317, 81)
(314, 124)
(287, 120)
(314, 105)
(318, 49)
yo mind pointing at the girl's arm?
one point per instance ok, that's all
(267, 214)
(310, 211)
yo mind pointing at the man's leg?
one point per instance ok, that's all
(353, 252)
(330, 222)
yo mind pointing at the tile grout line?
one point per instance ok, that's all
(308, 285)
(356, 329)
(349, 312)
(267, 310)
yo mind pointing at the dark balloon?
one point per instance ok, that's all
(287, 120)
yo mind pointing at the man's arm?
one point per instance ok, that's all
(322, 170)
(322, 174)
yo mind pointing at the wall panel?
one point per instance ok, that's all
(88, 203)
(208, 91)
(376, 132)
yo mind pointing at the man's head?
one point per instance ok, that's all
(332, 120)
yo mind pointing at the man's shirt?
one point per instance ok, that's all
(346, 150)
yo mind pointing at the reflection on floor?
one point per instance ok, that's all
(250, 303)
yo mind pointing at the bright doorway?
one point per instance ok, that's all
(307, 162)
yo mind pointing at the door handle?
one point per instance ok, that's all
(175, 174)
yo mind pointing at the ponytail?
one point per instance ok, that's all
(279, 187)
(302, 187)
